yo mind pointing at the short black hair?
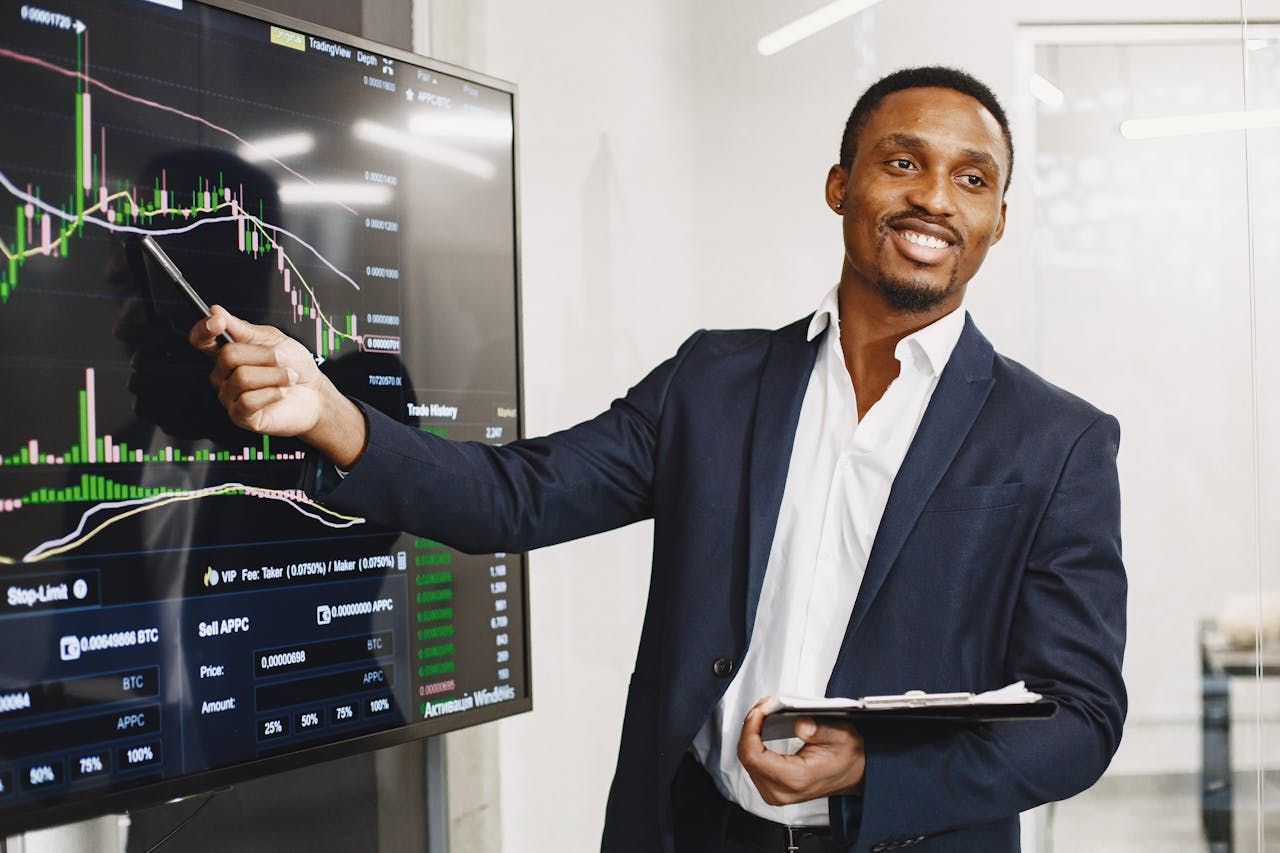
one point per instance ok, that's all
(926, 76)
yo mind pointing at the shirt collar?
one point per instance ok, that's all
(828, 313)
(935, 341)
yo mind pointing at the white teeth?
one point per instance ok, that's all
(925, 240)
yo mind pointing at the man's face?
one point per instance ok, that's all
(924, 197)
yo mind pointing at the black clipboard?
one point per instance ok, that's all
(781, 724)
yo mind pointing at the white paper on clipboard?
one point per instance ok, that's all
(784, 710)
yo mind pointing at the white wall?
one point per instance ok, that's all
(605, 134)
(609, 292)
(672, 178)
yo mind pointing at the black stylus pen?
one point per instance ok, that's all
(166, 263)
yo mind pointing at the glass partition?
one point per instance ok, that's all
(1261, 75)
(1152, 210)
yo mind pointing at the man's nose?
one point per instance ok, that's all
(933, 192)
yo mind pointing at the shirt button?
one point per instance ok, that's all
(722, 668)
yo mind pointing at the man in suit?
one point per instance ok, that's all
(866, 501)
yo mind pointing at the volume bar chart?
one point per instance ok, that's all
(90, 488)
(92, 448)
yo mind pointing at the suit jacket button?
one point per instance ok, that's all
(723, 667)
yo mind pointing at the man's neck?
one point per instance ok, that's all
(870, 330)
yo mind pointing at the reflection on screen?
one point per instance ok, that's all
(173, 603)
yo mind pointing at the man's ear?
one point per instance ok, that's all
(837, 181)
(1000, 225)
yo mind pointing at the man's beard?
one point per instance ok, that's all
(914, 297)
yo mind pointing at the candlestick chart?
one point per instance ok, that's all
(46, 230)
(92, 333)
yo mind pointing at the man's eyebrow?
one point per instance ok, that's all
(902, 140)
(982, 158)
(910, 142)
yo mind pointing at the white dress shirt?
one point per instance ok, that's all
(837, 486)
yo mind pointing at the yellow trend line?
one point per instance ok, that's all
(271, 241)
(169, 499)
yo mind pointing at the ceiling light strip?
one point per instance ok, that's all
(812, 23)
(1187, 125)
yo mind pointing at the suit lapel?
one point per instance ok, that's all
(962, 390)
(782, 386)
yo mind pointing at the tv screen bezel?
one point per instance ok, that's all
(94, 803)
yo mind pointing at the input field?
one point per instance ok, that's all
(281, 694)
(322, 653)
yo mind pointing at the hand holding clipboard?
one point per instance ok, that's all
(1014, 702)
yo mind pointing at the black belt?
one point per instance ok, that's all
(765, 835)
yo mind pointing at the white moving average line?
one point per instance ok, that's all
(133, 229)
(133, 506)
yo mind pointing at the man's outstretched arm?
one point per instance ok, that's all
(476, 497)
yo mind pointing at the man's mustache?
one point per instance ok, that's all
(893, 219)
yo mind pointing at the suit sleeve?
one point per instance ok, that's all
(479, 498)
(1066, 640)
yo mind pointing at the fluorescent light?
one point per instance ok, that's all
(277, 147)
(1155, 128)
(169, 4)
(389, 137)
(300, 192)
(1045, 92)
(1256, 44)
(814, 22)
(485, 127)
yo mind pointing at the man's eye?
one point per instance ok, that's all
(973, 180)
(902, 163)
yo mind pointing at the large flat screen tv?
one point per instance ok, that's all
(175, 613)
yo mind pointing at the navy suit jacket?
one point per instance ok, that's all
(997, 559)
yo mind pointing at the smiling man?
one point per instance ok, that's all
(867, 501)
